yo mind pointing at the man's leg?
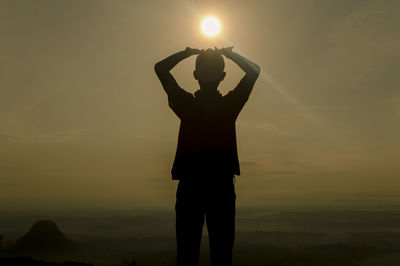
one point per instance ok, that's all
(220, 216)
(189, 223)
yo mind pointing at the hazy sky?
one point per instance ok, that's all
(85, 122)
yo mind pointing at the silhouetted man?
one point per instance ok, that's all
(206, 159)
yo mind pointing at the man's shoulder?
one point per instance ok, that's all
(230, 96)
(180, 95)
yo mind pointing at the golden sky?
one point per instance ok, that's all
(84, 122)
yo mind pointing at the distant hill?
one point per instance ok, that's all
(44, 237)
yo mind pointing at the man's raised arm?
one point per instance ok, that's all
(164, 67)
(251, 69)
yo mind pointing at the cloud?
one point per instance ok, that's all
(253, 168)
(75, 132)
(280, 172)
(7, 137)
(70, 135)
(47, 138)
(272, 128)
(267, 127)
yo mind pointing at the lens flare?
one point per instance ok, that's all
(210, 26)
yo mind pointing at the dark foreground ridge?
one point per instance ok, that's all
(28, 261)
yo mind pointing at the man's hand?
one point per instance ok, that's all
(192, 51)
(226, 51)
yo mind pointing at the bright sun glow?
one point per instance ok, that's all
(210, 26)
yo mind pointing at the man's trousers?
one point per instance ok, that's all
(211, 201)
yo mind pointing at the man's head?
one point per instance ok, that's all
(209, 68)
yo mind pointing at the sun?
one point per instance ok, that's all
(211, 26)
